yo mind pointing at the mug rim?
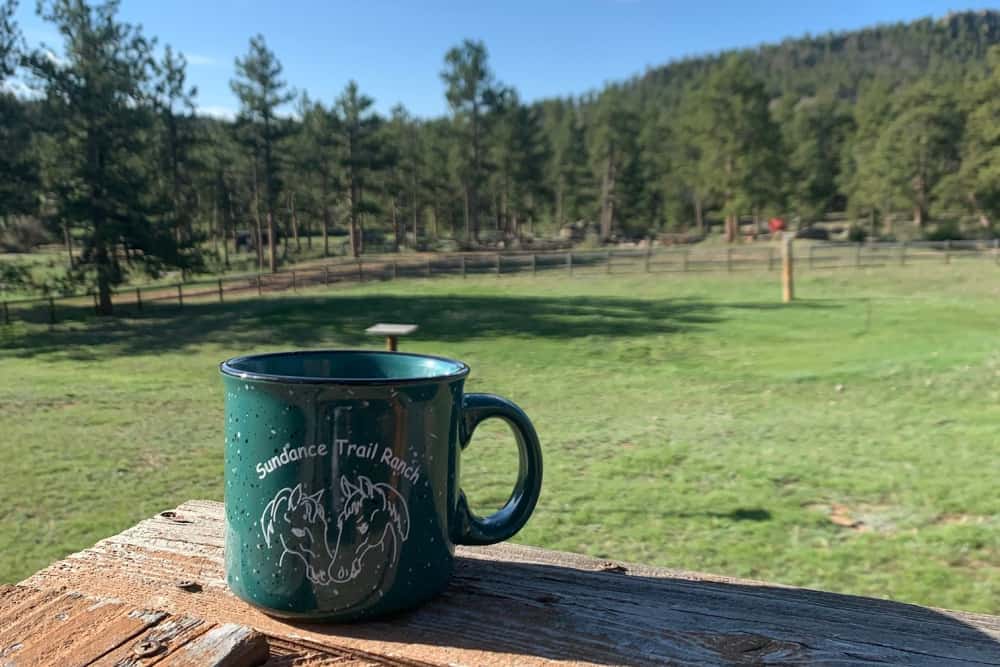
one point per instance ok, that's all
(227, 368)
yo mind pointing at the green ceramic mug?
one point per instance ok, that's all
(342, 479)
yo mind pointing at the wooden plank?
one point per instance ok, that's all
(511, 604)
(228, 645)
(154, 645)
(70, 629)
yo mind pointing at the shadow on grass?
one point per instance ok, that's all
(755, 514)
(340, 320)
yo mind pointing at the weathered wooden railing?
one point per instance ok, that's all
(155, 593)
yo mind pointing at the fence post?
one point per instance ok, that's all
(294, 283)
(569, 261)
(180, 295)
(534, 264)
(463, 266)
(787, 271)
(498, 265)
(395, 270)
(138, 299)
(326, 275)
(729, 260)
(361, 271)
(97, 310)
(947, 251)
(6, 314)
(52, 310)
(649, 255)
(608, 260)
(902, 254)
(770, 259)
(260, 289)
(811, 260)
(428, 267)
(220, 290)
(857, 256)
(684, 264)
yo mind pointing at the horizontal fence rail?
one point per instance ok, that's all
(619, 261)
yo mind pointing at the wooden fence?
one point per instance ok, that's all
(134, 300)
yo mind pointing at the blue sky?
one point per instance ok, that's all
(544, 48)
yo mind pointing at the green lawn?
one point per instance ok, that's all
(688, 420)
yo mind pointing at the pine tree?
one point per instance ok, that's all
(174, 104)
(919, 146)
(261, 92)
(814, 130)
(738, 141)
(360, 157)
(615, 152)
(471, 91)
(18, 168)
(317, 160)
(979, 177)
(99, 113)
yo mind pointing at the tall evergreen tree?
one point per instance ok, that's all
(98, 106)
(261, 92)
(979, 177)
(615, 152)
(471, 91)
(738, 141)
(318, 161)
(919, 146)
(814, 129)
(18, 169)
(360, 157)
(174, 103)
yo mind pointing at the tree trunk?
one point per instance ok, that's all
(295, 221)
(468, 221)
(560, 184)
(918, 216)
(326, 230)
(607, 199)
(215, 223)
(415, 213)
(104, 273)
(732, 225)
(395, 225)
(68, 240)
(699, 217)
(272, 249)
(256, 216)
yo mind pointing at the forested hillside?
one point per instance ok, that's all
(888, 123)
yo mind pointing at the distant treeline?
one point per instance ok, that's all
(109, 153)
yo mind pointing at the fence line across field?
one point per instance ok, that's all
(620, 261)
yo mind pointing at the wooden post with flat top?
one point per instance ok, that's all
(392, 332)
(787, 269)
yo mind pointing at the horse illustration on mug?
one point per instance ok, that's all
(374, 518)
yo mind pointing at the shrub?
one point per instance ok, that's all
(948, 230)
(22, 234)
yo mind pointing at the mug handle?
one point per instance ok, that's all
(503, 524)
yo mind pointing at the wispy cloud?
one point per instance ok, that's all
(215, 111)
(197, 59)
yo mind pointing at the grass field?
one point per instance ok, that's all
(848, 442)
